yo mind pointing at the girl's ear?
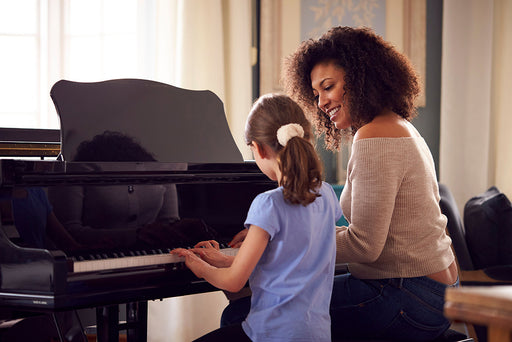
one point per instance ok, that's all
(260, 149)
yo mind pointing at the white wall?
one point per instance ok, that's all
(501, 96)
(475, 100)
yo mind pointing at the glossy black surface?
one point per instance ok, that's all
(212, 201)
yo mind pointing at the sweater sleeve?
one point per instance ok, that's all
(373, 179)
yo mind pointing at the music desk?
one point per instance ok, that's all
(484, 305)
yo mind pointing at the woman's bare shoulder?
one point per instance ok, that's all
(386, 126)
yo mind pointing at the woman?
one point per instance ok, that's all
(355, 86)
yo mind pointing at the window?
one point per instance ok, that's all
(43, 41)
(20, 41)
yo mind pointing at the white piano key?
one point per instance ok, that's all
(134, 261)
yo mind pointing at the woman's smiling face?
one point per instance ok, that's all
(327, 81)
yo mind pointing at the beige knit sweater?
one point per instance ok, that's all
(391, 201)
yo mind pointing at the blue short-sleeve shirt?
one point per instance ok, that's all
(292, 283)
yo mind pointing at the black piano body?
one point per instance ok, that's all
(46, 280)
(218, 194)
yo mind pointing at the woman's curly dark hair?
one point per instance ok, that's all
(377, 77)
(112, 146)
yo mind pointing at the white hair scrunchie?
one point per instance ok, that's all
(288, 131)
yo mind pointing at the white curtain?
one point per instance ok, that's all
(206, 44)
(202, 44)
(476, 99)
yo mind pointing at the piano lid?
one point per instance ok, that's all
(173, 124)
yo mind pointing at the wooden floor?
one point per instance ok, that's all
(92, 338)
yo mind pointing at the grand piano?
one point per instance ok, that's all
(122, 237)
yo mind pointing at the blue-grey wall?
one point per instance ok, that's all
(429, 117)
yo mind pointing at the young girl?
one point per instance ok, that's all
(288, 255)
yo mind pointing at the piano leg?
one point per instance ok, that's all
(137, 321)
(136, 326)
(107, 323)
(58, 328)
(69, 327)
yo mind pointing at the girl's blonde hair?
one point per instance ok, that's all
(300, 166)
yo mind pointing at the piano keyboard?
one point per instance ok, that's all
(111, 263)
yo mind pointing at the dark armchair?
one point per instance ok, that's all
(468, 273)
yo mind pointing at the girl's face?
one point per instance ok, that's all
(327, 81)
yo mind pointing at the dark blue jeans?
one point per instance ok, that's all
(228, 333)
(409, 309)
(235, 312)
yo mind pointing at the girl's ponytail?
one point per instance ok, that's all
(301, 171)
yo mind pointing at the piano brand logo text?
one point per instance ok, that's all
(41, 302)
